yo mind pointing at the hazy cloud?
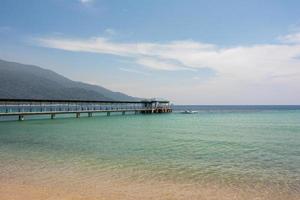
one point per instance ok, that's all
(4, 29)
(239, 69)
(133, 71)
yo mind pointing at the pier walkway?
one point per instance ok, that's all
(23, 107)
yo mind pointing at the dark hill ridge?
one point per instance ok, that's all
(21, 81)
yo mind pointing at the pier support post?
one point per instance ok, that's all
(123, 113)
(77, 115)
(21, 117)
(52, 116)
(90, 114)
(108, 113)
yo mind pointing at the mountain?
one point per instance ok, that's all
(20, 81)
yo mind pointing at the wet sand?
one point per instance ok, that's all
(109, 188)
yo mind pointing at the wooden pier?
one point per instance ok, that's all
(26, 107)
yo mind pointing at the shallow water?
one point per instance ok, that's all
(253, 153)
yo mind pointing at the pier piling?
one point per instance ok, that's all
(21, 117)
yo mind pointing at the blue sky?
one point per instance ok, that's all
(191, 52)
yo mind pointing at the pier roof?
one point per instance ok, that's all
(78, 101)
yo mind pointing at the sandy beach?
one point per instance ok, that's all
(118, 188)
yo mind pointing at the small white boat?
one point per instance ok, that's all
(189, 112)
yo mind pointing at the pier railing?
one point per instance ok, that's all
(22, 107)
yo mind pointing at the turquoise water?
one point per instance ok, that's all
(240, 147)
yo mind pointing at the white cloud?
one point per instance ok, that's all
(239, 69)
(160, 64)
(110, 32)
(86, 1)
(291, 38)
(245, 62)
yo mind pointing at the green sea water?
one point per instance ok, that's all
(230, 148)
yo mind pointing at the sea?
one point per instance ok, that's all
(220, 152)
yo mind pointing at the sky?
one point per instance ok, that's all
(190, 52)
